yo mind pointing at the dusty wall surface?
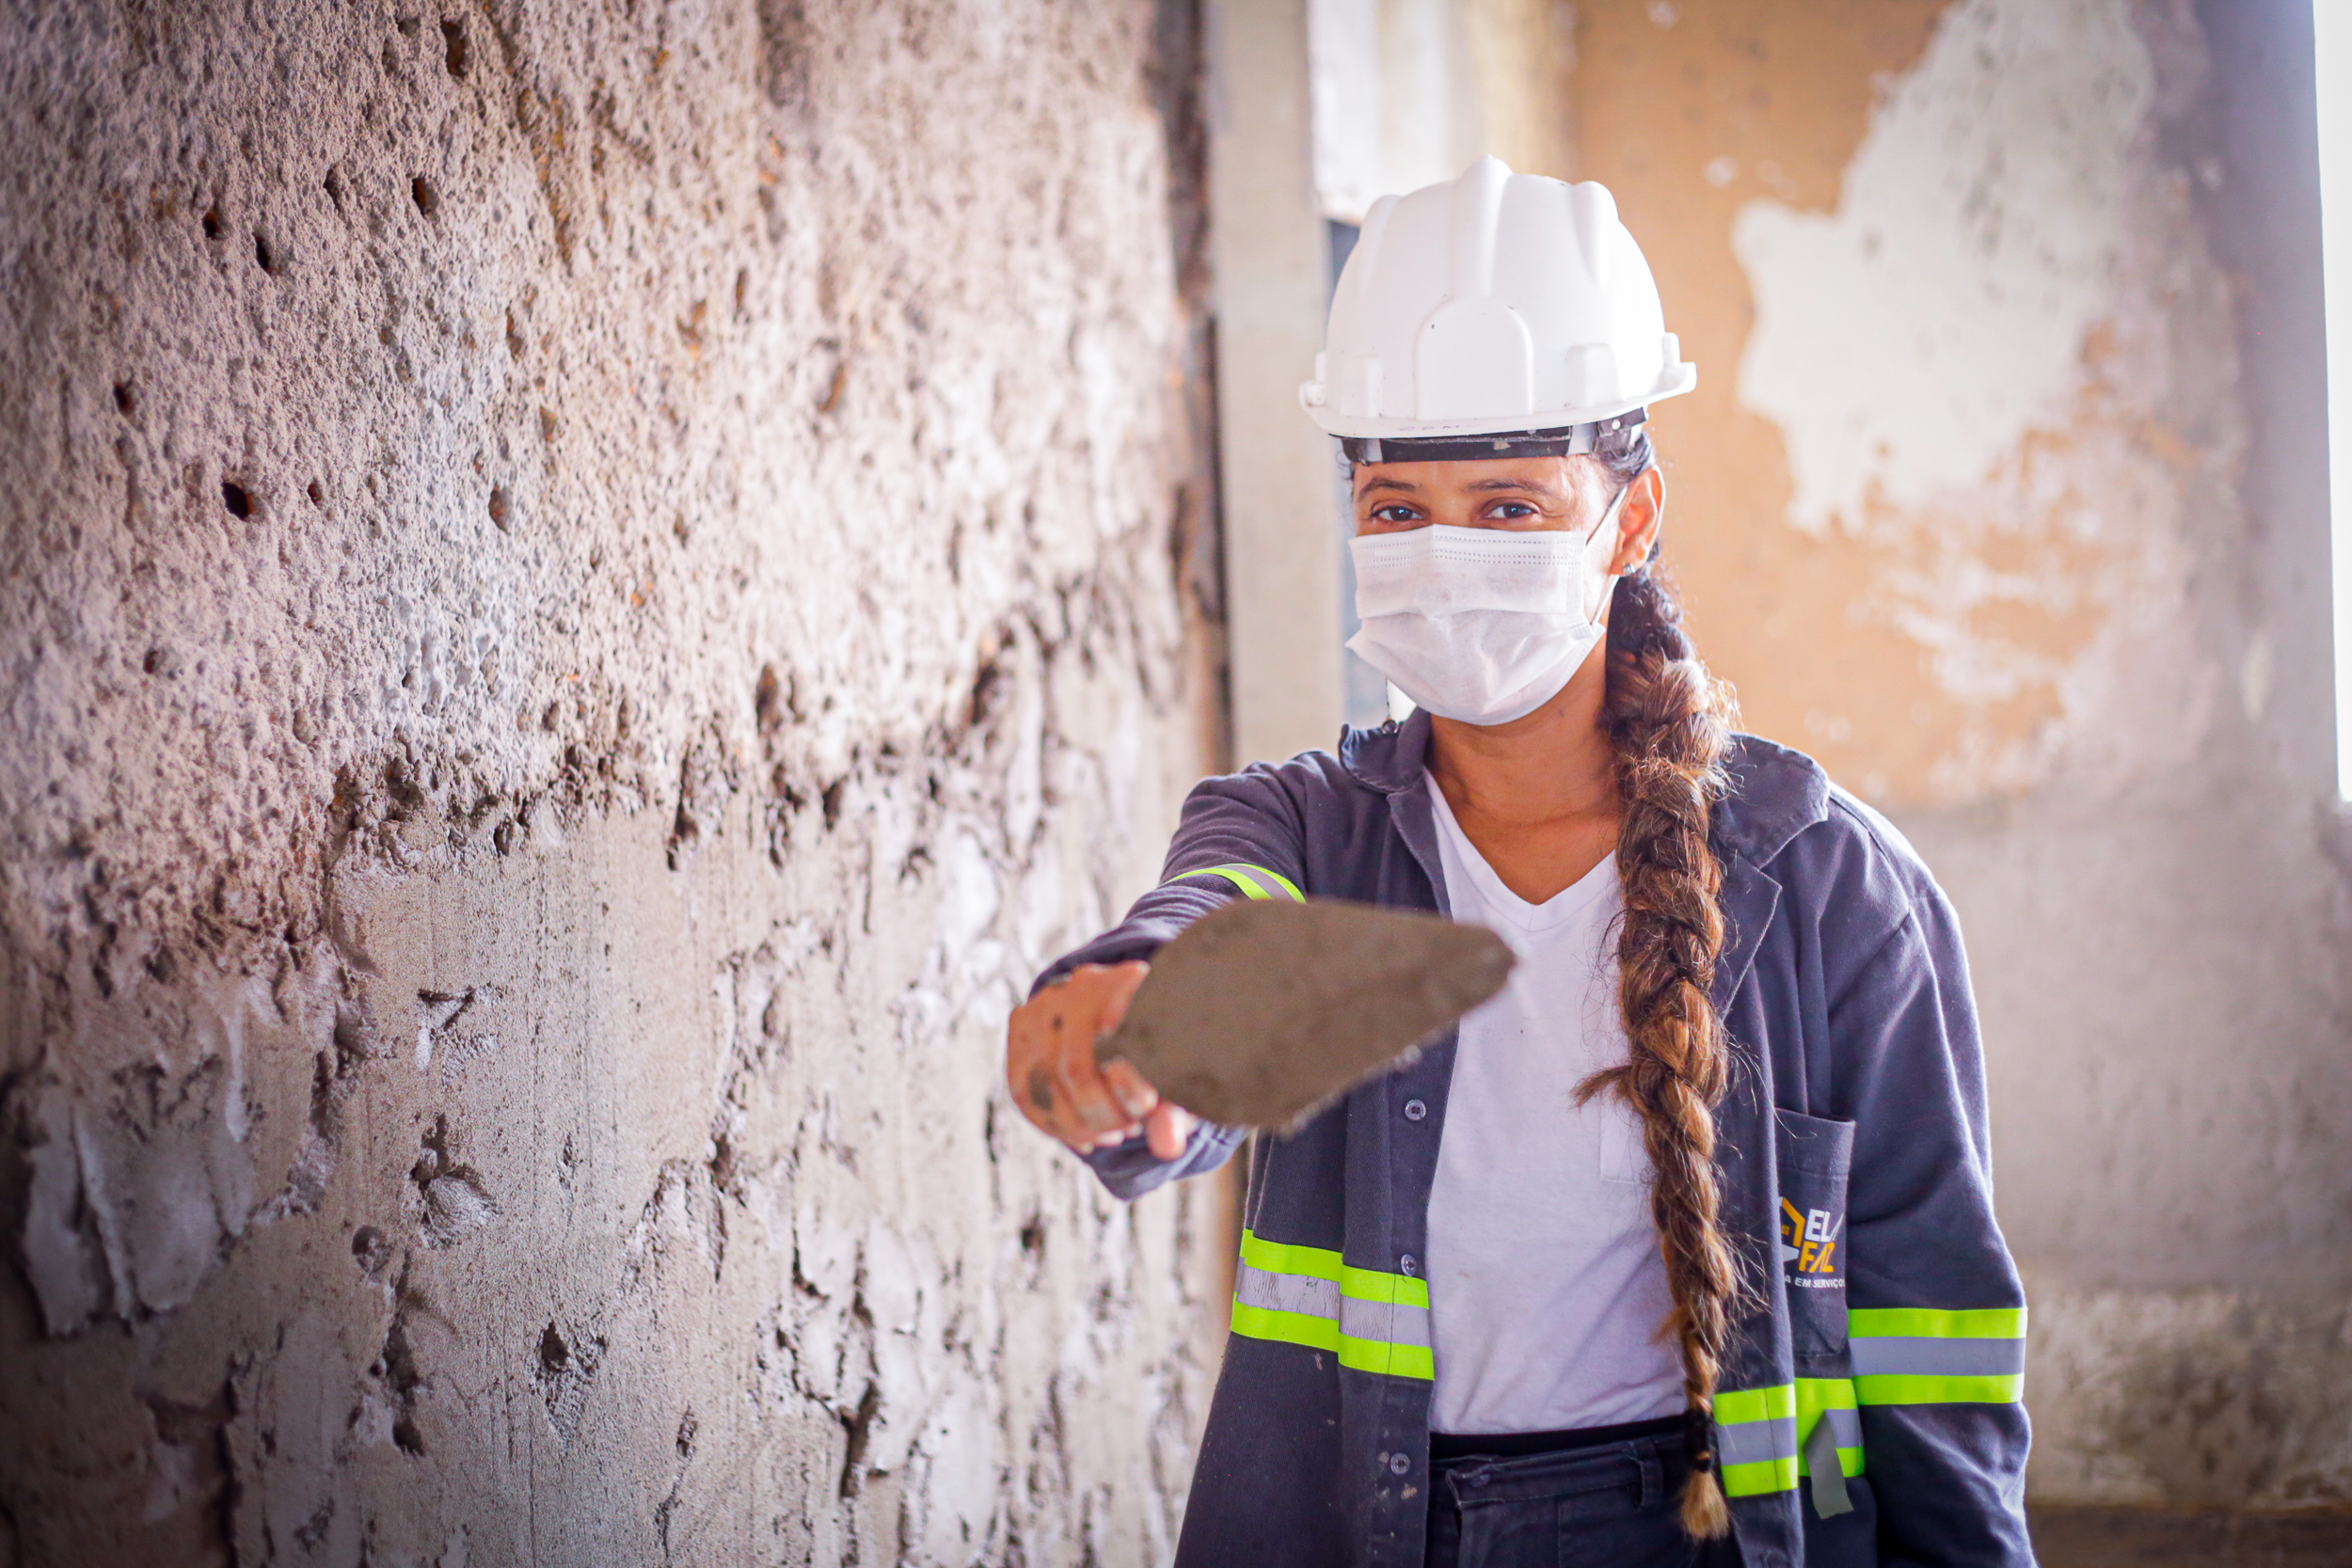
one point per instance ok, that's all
(589, 591)
(1999, 494)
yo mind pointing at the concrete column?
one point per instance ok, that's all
(1281, 571)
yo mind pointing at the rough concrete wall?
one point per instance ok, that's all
(589, 590)
(1963, 506)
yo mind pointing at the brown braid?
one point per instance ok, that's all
(1670, 720)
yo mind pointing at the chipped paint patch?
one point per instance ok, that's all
(1909, 342)
(1970, 365)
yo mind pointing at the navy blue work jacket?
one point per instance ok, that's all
(1854, 1157)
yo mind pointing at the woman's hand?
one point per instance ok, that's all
(1049, 1064)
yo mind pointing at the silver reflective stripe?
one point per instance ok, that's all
(1902, 1356)
(1757, 1442)
(1392, 1323)
(1287, 1292)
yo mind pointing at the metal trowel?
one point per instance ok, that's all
(1263, 1012)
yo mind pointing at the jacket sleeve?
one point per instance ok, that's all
(1936, 1315)
(1239, 836)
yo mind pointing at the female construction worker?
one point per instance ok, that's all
(1681, 1249)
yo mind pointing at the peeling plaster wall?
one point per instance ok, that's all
(1998, 495)
(589, 591)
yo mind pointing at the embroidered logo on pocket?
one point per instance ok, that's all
(1809, 1242)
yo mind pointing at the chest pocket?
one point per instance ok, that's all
(1815, 1159)
(1624, 1153)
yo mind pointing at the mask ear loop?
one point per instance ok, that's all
(1597, 614)
(1609, 520)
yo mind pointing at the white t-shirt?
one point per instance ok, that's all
(1545, 1286)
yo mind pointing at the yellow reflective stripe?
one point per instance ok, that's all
(1816, 1394)
(1282, 1258)
(1901, 1388)
(1765, 1475)
(1929, 1322)
(1370, 1355)
(1289, 1328)
(1246, 878)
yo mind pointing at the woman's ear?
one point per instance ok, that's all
(1638, 520)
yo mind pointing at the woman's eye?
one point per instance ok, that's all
(1513, 510)
(1393, 514)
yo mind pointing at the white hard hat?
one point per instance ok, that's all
(1497, 305)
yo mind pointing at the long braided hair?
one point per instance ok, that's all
(1670, 722)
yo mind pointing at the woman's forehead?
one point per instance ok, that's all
(1548, 475)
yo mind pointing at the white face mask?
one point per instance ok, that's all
(1482, 625)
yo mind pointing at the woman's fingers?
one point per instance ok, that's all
(1167, 1129)
(1050, 1064)
(1128, 1089)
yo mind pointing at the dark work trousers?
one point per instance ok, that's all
(1606, 1505)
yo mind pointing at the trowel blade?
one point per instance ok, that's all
(1263, 1012)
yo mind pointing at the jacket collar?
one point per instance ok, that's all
(1775, 793)
(1390, 758)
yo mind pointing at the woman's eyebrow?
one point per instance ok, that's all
(1538, 487)
(1381, 481)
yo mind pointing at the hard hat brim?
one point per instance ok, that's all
(1674, 380)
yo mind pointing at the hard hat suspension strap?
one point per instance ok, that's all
(1603, 437)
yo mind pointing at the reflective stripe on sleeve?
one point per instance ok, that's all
(1302, 1295)
(1253, 881)
(1927, 1355)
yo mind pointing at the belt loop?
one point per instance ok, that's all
(1652, 1477)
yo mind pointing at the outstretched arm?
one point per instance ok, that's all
(1239, 838)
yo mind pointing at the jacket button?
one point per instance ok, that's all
(1406, 1265)
(1416, 1110)
(1398, 1464)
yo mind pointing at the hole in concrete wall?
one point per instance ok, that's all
(334, 187)
(767, 698)
(428, 199)
(499, 507)
(458, 54)
(554, 1354)
(859, 1428)
(212, 223)
(262, 254)
(232, 496)
(370, 1248)
(124, 401)
(831, 801)
(317, 493)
